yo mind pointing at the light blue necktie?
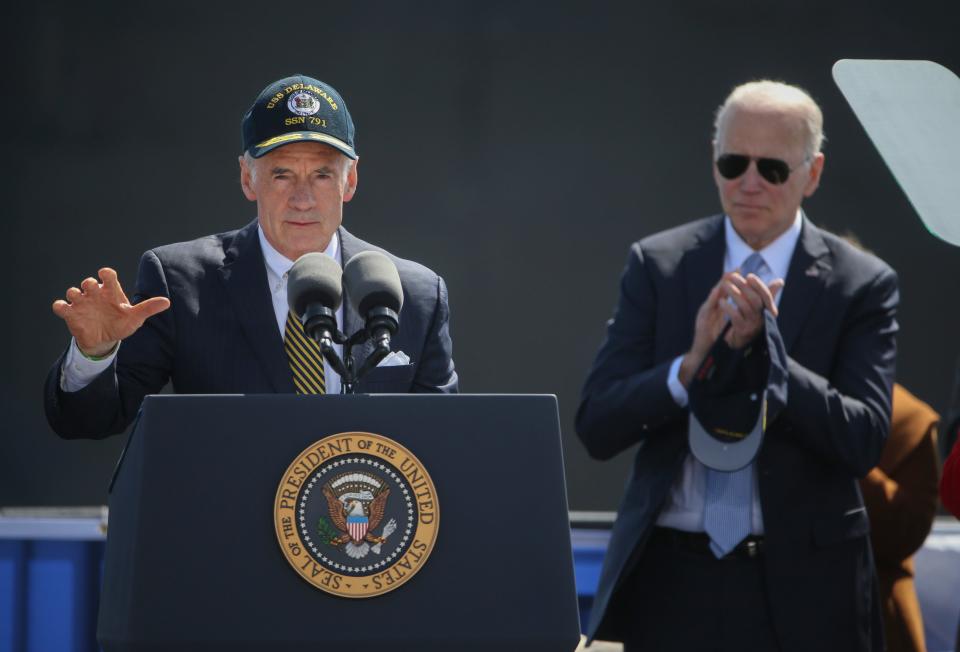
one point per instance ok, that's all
(729, 495)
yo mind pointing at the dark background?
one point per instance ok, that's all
(515, 148)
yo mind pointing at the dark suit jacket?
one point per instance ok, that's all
(220, 335)
(837, 323)
(901, 498)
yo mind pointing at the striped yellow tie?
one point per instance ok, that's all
(306, 360)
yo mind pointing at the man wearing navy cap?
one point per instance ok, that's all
(211, 315)
(742, 526)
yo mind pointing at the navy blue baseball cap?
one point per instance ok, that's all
(734, 396)
(297, 109)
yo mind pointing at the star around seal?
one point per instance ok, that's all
(356, 515)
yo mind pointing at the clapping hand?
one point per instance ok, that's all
(737, 300)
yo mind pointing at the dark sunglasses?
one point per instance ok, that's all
(775, 171)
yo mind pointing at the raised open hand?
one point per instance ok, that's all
(99, 314)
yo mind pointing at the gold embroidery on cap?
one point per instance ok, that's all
(305, 135)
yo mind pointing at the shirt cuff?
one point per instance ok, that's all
(677, 390)
(78, 371)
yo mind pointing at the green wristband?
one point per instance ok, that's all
(99, 358)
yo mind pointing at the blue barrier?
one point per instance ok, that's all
(50, 570)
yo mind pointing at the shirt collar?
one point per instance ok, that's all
(776, 255)
(278, 264)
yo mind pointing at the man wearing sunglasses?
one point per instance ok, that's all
(774, 555)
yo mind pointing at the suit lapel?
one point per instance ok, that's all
(349, 247)
(244, 277)
(352, 322)
(703, 267)
(808, 273)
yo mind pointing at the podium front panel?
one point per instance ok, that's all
(193, 561)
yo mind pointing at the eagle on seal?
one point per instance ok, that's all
(354, 519)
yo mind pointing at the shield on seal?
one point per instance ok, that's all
(357, 522)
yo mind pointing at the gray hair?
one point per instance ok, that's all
(767, 94)
(250, 162)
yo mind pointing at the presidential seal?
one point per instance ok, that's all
(356, 515)
(303, 103)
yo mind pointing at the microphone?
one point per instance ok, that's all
(372, 284)
(314, 294)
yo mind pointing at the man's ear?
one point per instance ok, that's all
(246, 180)
(816, 169)
(350, 184)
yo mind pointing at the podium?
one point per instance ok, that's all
(194, 558)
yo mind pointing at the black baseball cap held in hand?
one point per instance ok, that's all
(297, 109)
(734, 396)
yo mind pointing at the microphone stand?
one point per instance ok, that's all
(381, 323)
(378, 323)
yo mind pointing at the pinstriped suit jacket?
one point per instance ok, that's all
(220, 335)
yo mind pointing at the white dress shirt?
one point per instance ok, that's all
(278, 266)
(78, 371)
(684, 506)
